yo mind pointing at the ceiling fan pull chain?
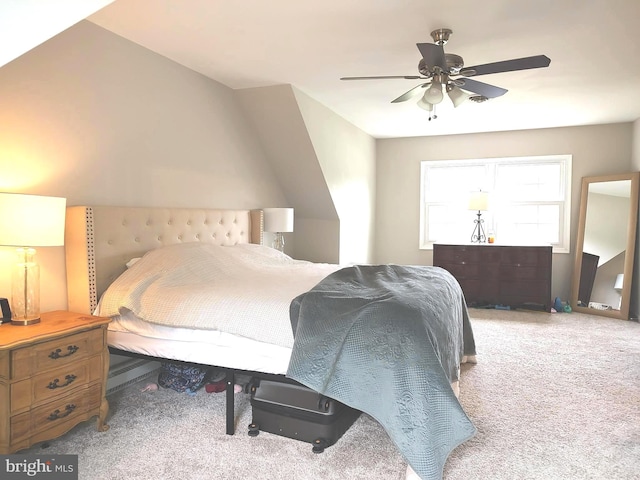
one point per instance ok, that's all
(434, 114)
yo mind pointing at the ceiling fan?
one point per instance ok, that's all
(446, 71)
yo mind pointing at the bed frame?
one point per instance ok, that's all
(100, 240)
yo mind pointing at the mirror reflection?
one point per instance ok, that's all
(605, 238)
(605, 245)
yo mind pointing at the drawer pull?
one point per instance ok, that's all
(69, 379)
(71, 350)
(57, 415)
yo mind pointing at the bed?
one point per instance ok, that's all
(102, 241)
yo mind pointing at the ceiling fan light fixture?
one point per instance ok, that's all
(434, 94)
(425, 105)
(457, 95)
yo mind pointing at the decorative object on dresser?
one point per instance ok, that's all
(27, 221)
(52, 377)
(479, 201)
(499, 275)
(278, 221)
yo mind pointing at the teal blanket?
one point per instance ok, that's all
(388, 340)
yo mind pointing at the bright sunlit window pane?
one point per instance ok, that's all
(529, 200)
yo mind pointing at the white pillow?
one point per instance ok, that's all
(132, 262)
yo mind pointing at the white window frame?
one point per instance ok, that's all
(490, 164)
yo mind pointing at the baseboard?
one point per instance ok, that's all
(130, 371)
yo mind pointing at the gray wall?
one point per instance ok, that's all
(347, 157)
(326, 168)
(97, 119)
(596, 150)
(100, 120)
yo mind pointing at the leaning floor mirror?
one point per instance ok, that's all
(605, 245)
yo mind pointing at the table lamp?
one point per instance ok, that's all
(28, 221)
(479, 201)
(277, 221)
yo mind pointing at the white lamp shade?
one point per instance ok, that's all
(422, 103)
(278, 219)
(479, 201)
(434, 94)
(619, 281)
(31, 220)
(457, 96)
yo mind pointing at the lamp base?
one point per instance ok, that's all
(278, 241)
(25, 322)
(478, 235)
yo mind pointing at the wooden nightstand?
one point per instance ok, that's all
(53, 376)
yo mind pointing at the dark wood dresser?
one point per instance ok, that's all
(504, 275)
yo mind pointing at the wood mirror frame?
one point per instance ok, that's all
(587, 263)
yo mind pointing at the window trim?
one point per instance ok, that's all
(565, 161)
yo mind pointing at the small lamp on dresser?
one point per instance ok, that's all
(479, 201)
(278, 221)
(28, 221)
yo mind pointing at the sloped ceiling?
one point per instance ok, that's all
(25, 24)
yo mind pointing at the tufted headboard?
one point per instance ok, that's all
(100, 240)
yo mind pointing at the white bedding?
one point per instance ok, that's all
(243, 290)
(208, 347)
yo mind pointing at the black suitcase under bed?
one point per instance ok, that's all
(295, 411)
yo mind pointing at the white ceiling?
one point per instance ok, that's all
(594, 76)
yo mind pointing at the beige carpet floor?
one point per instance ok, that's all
(553, 396)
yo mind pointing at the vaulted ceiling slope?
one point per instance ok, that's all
(25, 24)
(593, 78)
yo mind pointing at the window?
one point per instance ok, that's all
(529, 200)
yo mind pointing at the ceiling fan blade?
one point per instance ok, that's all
(410, 94)
(489, 91)
(538, 61)
(433, 55)
(406, 77)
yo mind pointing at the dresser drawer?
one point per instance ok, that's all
(445, 254)
(532, 291)
(55, 414)
(525, 255)
(463, 272)
(42, 388)
(522, 273)
(55, 353)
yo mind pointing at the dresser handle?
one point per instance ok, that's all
(53, 385)
(67, 410)
(71, 348)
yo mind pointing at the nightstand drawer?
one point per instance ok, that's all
(30, 392)
(56, 414)
(56, 353)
